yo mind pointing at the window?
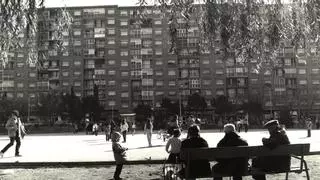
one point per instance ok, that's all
(123, 32)
(125, 94)
(159, 83)
(316, 82)
(219, 71)
(171, 72)
(32, 74)
(77, 13)
(19, 95)
(77, 32)
(111, 72)
(219, 82)
(111, 32)
(315, 71)
(157, 22)
(159, 62)
(110, 21)
(158, 32)
(123, 42)
(302, 71)
(65, 74)
(159, 73)
(111, 62)
(20, 85)
(123, 22)
(124, 63)
(32, 85)
(158, 42)
(111, 83)
(65, 83)
(205, 61)
(123, 13)
(77, 73)
(206, 82)
(77, 43)
(124, 73)
(172, 83)
(111, 41)
(111, 93)
(124, 53)
(158, 52)
(303, 82)
(111, 52)
(20, 64)
(219, 61)
(110, 11)
(124, 84)
(77, 83)
(65, 63)
(208, 92)
(77, 63)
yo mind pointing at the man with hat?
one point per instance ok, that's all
(232, 166)
(198, 168)
(15, 132)
(277, 137)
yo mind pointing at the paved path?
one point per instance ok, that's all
(90, 148)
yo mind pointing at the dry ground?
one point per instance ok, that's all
(134, 172)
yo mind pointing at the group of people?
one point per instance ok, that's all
(235, 167)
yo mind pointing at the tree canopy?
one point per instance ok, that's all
(19, 28)
(251, 30)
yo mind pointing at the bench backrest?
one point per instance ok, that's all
(243, 151)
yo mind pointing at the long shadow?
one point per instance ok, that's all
(140, 148)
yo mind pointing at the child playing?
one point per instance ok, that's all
(175, 144)
(119, 153)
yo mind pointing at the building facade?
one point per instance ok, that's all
(129, 59)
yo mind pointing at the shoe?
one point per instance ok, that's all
(18, 155)
(117, 178)
(1, 154)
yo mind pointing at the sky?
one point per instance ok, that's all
(68, 3)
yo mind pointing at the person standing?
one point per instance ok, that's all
(133, 128)
(124, 129)
(108, 132)
(317, 123)
(95, 129)
(119, 154)
(15, 132)
(236, 166)
(309, 126)
(278, 136)
(148, 127)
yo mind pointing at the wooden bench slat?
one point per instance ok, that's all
(243, 151)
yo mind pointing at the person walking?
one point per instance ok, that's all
(235, 167)
(95, 129)
(107, 131)
(124, 129)
(15, 132)
(148, 127)
(119, 154)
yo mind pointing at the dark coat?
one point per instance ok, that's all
(274, 163)
(232, 166)
(198, 168)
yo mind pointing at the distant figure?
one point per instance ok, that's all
(309, 126)
(148, 127)
(220, 125)
(107, 131)
(246, 123)
(133, 127)
(95, 129)
(124, 129)
(173, 147)
(87, 123)
(75, 128)
(119, 154)
(198, 168)
(15, 132)
(173, 124)
(278, 136)
(317, 123)
(235, 166)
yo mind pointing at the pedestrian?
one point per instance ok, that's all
(148, 127)
(95, 129)
(124, 129)
(87, 123)
(246, 123)
(309, 126)
(133, 128)
(278, 136)
(173, 147)
(198, 168)
(107, 131)
(235, 167)
(15, 132)
(317, 123)
(220, 125)
(173, 124)
(119, 154)
(75, 128)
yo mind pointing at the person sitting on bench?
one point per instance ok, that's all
(197, 168)
(277, 137)
(233, 166)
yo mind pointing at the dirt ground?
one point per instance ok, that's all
(130, 172)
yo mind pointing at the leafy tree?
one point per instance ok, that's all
(19, 27)
(196, 103)
(142, 112)
(222, 105)
(170, 106)
(255, 111)
(250, 30)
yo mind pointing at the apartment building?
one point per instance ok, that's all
(129, 60)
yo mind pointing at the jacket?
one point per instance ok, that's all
(15, 127)
(233, 166)
(198, 168)
(119, 153)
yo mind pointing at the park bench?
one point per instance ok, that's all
(297, 151)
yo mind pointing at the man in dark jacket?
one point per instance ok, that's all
(277, 137)
(233, 166)
(198, 168)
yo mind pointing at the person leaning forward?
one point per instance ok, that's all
(232, 166)
(277, 137)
